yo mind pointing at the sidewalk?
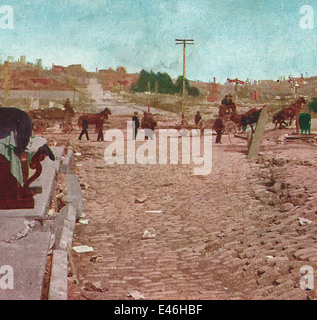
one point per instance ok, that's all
(27, 238)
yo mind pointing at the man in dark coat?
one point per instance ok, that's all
(225, 100)
(219, 128)
(135, 124)
(232, 107)
(197, 118)
(99, 128)
(148, 124)
(84, 126)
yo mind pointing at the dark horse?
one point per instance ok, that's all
(94, 118)
(250, 119)
(288, 114)
(18, 121)
(236, 118)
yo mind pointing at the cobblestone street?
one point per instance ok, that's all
(209, 237)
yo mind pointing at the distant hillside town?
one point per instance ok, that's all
(22, 80)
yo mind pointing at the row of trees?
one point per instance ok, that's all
(162, 83)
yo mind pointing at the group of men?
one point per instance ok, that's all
(147, 123)
(227, 107)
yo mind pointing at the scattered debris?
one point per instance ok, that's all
(303, 221)
(140, 200)
(82, 249)
(149, 234)
(95, 258)
(51, 213)
(154, 211)
(136, 295)
(93, 286)
(83, 221)
(83, 215)
(83, 186)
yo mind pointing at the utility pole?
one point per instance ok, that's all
(184, 42)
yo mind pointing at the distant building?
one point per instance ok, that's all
(58, 70)
(75, 70)
(117, 80)
(28, 84)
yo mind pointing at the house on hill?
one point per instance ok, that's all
(30, 85)
(117, 80)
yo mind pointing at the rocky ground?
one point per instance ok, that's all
(159, 232)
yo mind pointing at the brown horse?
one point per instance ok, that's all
(288, 114)
(94, 118)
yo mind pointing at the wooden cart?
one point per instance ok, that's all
(43, 118)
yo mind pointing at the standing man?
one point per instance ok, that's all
(225, 100)
(99, 128)
(135, 124)
(219, 127)
(148, 124)
(232, 107)
(197, 118)
(84, 126)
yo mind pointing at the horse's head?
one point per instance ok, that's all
(105, 113)
(300, 101)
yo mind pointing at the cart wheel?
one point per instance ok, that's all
(39, 126)
(66, 128)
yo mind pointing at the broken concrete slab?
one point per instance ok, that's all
(15, 228)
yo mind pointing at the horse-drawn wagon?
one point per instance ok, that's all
(43, 118)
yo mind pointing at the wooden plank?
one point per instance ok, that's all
(256, 139)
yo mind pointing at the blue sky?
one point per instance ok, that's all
(257, 39)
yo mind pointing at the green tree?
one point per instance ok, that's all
(165, 83)
(194, 91)
(179, 85)
(142, 83)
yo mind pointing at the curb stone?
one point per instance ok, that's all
(64, 228)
